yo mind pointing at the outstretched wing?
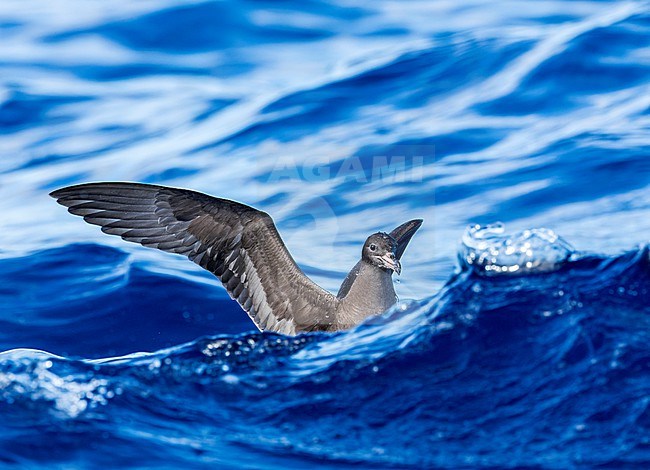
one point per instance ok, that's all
(237, 243)
(403, 234)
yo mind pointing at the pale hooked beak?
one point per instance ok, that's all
(389, 261)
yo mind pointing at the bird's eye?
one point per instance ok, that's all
(372, 247)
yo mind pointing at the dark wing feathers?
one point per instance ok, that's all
(237, 243)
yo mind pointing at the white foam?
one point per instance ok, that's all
(489, 251)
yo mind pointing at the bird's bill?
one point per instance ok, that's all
(390, 262)
(403, 234)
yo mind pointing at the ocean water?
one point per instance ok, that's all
(520, 133)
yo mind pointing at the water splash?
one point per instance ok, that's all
(489, 251)
(534, 114)
(33, 378)
(424, 375)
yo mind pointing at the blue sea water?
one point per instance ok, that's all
(518, 348)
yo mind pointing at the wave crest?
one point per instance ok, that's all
(489, 251)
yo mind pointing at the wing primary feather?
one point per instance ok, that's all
(237, 243)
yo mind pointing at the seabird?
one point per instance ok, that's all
(242, 247)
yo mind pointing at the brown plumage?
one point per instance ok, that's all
(242, 247)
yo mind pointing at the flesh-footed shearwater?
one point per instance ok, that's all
(242, 247)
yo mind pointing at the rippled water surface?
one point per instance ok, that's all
(509, 348)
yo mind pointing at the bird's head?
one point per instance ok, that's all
(379, 250)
